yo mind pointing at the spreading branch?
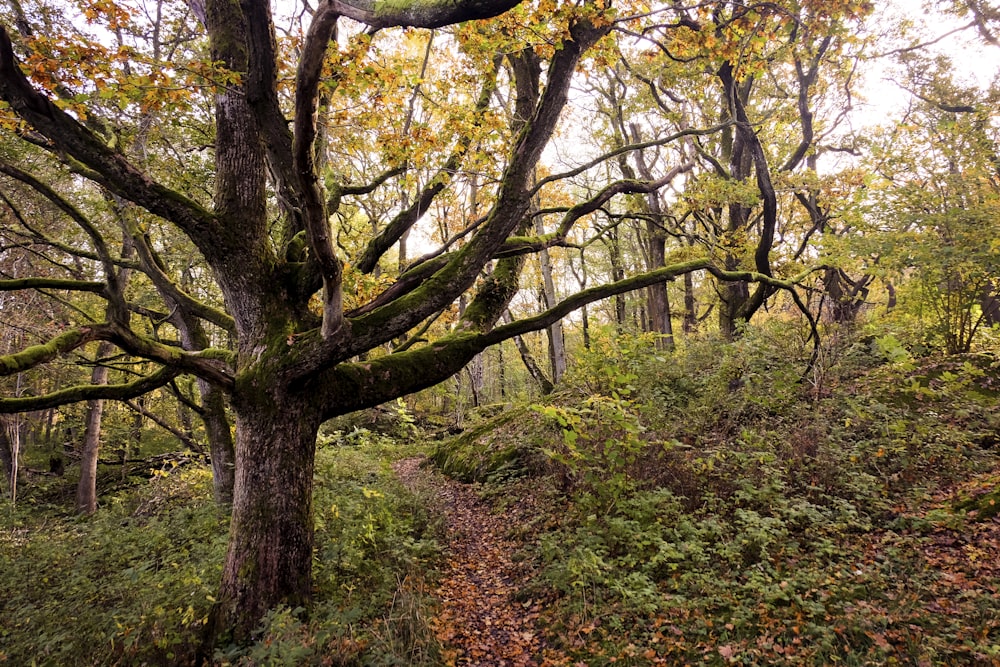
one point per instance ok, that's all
(416, 13)
(88, 392)
(107, 166)
(354, 386)
(64, 343)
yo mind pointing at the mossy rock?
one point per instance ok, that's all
(985, 505)
(502, 447)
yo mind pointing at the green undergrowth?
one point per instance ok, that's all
(729, 506)
(134, 583)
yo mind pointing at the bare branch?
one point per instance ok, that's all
(416, 13)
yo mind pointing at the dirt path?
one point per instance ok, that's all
(478, 622)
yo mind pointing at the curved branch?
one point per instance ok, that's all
(520, 245)
(16, 284)
(314, 208)
(109, 167)
(690, 132)
(204, 364)
(354, 386)
(417, 13)
(512, 203)
(35, 235)
(88, 392)
(64, 343)
(806, 79)
(151, 267)
(113, 287)
(370, 187)
(588, 296)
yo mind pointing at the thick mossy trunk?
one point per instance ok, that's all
(269, 561)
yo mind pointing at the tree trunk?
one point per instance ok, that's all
(990, 304)
(220, 441)
(269, 560)
(732, 296)
(617, 273)
(7, 456)
(86, 489)
(660, 320)
(544, 384)
(690, 305)
(476, 382)
(536, 373)
(557, 347)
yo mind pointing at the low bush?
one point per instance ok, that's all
(134, 583)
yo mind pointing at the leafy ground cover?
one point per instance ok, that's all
(741, 515)
(722, 508)
(133, 584)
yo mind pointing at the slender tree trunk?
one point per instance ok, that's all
(501, 372)
(990, 304)
(617, 273)
(537, 374)
(476, 384)
(660, 320)
(86, 490)
(557, 347)
(220, 441)
(7, 457)
(690, 305)
(544, 384)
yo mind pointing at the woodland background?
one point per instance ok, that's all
(725, 380)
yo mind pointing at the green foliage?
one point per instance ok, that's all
(600, 444)
(134, 583)
(614, 363)
(747, 518)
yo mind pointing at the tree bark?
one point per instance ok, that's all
(544, 384)
(7, 456)
(86, 489)
(690, 305)
(269, 559)
(557, 346)
(220, 442)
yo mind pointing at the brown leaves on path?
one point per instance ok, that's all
(478, 621)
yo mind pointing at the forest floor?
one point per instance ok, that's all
(478, 619)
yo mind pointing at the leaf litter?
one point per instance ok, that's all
(479, 620)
